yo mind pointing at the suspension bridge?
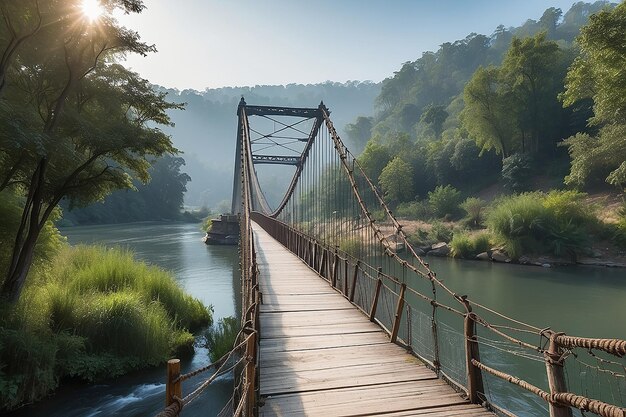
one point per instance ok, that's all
(341, 317)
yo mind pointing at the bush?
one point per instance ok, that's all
(352, 246)
(440, 232)
(220, 339)
(474, 207)
(445, 201)
(419, 238)
(414, 210)
(467, 246)
(534, 222)
(517, 171)
(93, 313)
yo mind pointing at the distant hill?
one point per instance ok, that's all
(206, 130)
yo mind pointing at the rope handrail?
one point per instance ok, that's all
(217, 363)
(566, 399)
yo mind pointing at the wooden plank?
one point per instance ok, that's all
(320, 356)
(322, 342)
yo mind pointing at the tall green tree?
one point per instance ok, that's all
(486, 115)
(598, 73)
(396, 180)
(88, 122)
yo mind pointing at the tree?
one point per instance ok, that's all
(360, 132)
(486, 116)
(533, 71)
(374, 158)
(396, 180)
(89, 121)
(434, 116)
(598, 73)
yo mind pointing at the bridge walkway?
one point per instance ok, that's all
(320, 356)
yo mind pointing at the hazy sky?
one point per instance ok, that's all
(210, 43)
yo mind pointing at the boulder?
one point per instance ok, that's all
(439, 249)
(484, 256)
(499, 256)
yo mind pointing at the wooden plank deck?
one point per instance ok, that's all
(320, 356)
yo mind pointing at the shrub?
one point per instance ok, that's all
(445, 201)
(93, 313)
(517, 171)
(520, 221)
(220, 339)
(535, 222)
(467, 246)
(474, 207)
(419, 238)
(440, 232)
(415, 210)
(352, 246)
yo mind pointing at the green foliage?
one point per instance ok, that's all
(517, 171)
(220, 339)
(160, 199)
(352, 246)
(94, 313)
(534, 222)
(414, 210)
(360, 132)
(396, 180)
(468, 246)
(599, 158)
(445, 201)
(374, 158)
(594, 74)
(474, 207)
(440, 232)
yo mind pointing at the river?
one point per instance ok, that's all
(210, 273)
(581, 301)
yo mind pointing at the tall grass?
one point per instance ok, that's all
(557, 222)
(93, 313)
(464, 245)
(220, 339)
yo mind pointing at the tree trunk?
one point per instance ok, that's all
(27, 235)
(14, 282)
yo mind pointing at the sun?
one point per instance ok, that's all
(92, 9)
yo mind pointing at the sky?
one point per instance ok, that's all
(209, 43)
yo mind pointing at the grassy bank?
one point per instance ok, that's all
(560, 224)
(92, 313)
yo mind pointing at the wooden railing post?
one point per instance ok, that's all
(474, 375)
(398, 317)
(335, 269)
(345, 277)
(355, 275)
(379, 284)
(322, 265)
(251, 374)
(172, 388)
(556, 376)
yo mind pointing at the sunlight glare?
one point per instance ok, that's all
(92, 9)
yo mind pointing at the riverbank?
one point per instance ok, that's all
(91, 313)
(557, 228)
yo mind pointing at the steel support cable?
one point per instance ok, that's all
(286, 126)
(297, 175)
(566, 399)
